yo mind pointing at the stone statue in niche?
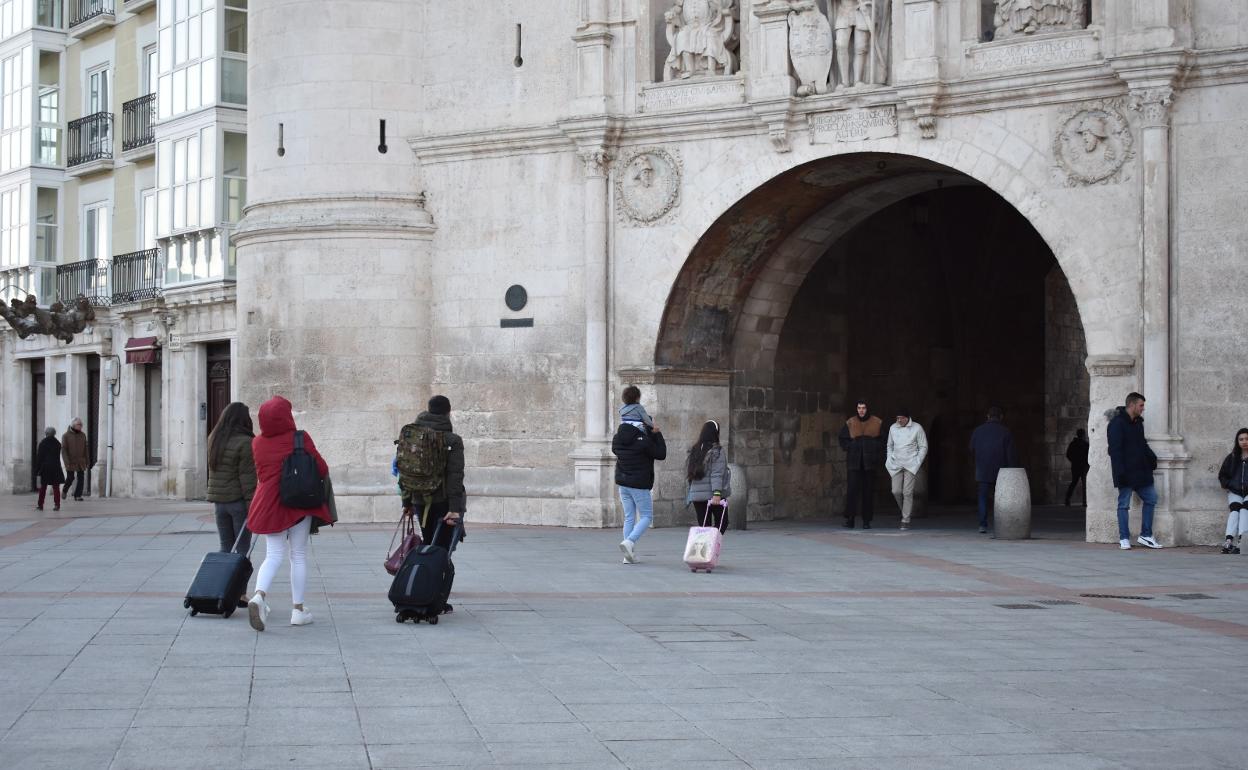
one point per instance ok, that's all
(703, 37)
(810, 48)
(29, 319)
(1030, 17)
(860, 30)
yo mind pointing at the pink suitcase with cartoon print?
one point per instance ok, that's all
(704, 543)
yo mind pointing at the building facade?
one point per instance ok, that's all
(123, 173)
(756, 210)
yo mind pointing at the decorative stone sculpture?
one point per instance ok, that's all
(810, 48)
(1030, 17)
(29, 319)
(703, 38)
(1093, 144)
(861, 30)
(647, 185)
(1011, 505)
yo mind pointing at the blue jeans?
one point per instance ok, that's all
(638, 512)
(1148, 496)
(985, 500)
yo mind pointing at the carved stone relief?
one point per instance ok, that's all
(702, 38)
(1030, 17)
(58, 321)
(849, 50)
(1093, 144)
(647, 185)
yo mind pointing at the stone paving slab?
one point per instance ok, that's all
(812, 647)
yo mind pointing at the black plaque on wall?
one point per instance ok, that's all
(60, 384)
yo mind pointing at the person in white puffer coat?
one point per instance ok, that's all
(905, 453)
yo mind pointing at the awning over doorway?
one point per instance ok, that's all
(142, 350)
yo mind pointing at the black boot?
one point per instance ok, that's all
(1228, 546)
(849, 522)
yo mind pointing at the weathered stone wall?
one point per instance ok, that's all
(1066, 385)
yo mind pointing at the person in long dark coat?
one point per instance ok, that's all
(993, 447)
(1077, 454)
(48, 467)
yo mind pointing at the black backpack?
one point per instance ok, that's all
(300, 485)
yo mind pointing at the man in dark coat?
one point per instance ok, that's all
(48, 467)
(636, 447)
(1077, 454)
(1132, 462)
(860, 438)
(992, 444)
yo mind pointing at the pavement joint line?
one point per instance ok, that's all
(39, 529)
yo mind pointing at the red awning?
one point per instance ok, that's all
(142, 350)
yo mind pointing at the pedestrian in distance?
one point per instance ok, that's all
(860, 439)
(1077, 455)
(232, 477)
(636, 446)
(48, 469)
(1233, 476)
(992, 445)
(1132, 462)
(285, 528)
(904, 455)
(708, 478)
(77, 458)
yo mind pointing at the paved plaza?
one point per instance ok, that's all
(811, 647)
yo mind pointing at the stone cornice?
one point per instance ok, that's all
(366, 216)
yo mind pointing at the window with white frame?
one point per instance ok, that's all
(14, 17)
(151, 62)
(187, 64)
(234, 174)
(185, 180)
(15, 110)
(49, 109)
(96, 243)
(15, 226)
(147, 219)
(234, 53)
(47, 217)
(97, 90)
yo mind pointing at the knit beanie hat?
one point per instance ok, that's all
(439, 405)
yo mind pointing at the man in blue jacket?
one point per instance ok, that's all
(993, 447)
(1133, 463)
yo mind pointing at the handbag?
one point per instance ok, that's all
(410, 541)
(330, 502)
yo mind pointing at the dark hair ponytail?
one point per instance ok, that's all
(236, 418)
(695, 466)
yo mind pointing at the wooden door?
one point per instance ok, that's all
(36, 417)
(93, 418)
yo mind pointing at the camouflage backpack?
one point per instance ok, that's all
(421, 456)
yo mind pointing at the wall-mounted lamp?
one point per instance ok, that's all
(281, 140)
(519, 60)
(382, 148)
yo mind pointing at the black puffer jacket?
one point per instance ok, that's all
(1130, 457)
(452, 490)
(1234, 474)
(635, 451)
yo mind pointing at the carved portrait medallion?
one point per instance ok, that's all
(1093, 144)
(647, 185)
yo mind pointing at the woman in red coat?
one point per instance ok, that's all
(285, 529)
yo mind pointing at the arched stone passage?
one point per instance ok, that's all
(890, 277)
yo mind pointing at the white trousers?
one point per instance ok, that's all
(1237, 521)
(293, 543)
(903, 493)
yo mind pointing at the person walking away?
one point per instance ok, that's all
(708, 478)
(1132, 462)
(636, 447)
(1233, 476)
(285, 529)
(904, 455)
(1077, 454)
(232, 477)
(77, 458)
(992, 445)
(860, 439)
(430, 465)
(48, 469)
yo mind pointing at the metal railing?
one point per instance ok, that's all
(89, 138)
(136, 276)
(82, 11)
(88, 278)
(138, 116)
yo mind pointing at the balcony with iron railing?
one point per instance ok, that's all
(137, 276)
(89, 144)
(89, 16)
(88, 278)
(138, 120)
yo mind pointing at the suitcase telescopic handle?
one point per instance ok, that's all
(706, 518)
(239, 539)
(454, 535)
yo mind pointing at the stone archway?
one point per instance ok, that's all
(766, 298)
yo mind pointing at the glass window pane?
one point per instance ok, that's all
(179, 92)
(165, 49)
(179, 161)
(207, 145)
(192, 204)
(194, 99)
(234, 81)
(236, 31)
(207, 217)
(208, 72)
(193, 38)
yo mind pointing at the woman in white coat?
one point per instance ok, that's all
(906, 451)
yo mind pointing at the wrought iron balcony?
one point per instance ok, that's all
(136, 276)
(138, 116)
(88, 278)
(89, 139)
(82, 11)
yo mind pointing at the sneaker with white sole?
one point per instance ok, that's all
(300, 617)
(1147, 542)
(626, 546)
(1124, 545)
(258, 612)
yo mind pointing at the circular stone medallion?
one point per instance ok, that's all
(648, 184)
(1093, 145)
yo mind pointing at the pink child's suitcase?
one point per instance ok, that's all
(702, 547)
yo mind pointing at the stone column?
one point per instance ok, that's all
(335, 249)
(770, 87)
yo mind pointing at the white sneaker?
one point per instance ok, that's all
(1148, 542)
(258, 612)
(626, 546)
(1124, 545)
(300, 617)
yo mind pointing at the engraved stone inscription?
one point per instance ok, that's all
(1031, 54)
(684, 96)
(853, 125)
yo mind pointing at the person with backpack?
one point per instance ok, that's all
(289, 492)
(709, 479)
(636, 446)
(430, 462)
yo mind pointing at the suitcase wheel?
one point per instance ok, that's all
(694, 570)
(186, 603)
(399, 618)
(194, 613)
(432, 620)
(227, 613)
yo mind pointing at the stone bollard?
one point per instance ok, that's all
(739, 503)
(1011, 505)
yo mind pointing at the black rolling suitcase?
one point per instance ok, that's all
(423, 584)
(221, 580)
